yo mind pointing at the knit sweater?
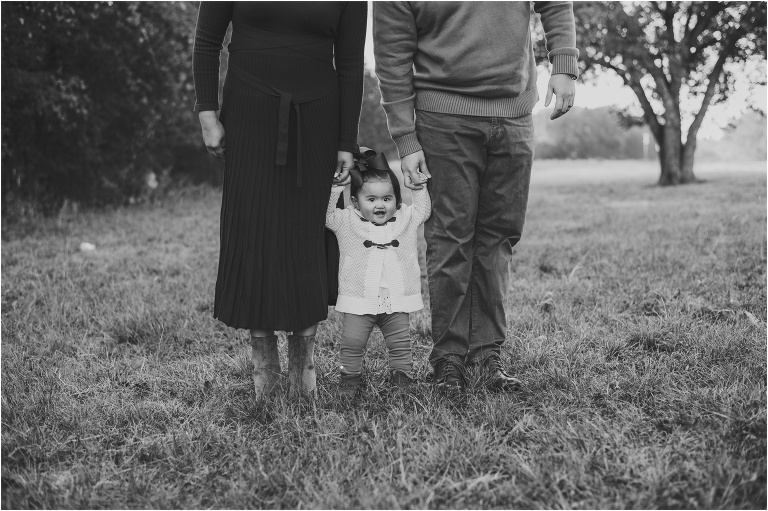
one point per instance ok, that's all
(295, 47)
(360, 267)
(470, 58)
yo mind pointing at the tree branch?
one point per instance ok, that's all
(713, 77)
(676, 67)
(662, 84)
(669, 20)
(687, 26)
(706, 44)
(648, 112)
(711, 9)
(619, 71)
(657, 6)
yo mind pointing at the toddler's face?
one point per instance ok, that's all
(376, 201)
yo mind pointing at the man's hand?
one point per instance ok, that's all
(415, 172)
(564, 87)
(344, 162)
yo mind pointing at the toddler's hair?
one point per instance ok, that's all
(378, 175)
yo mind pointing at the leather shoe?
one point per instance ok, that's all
(349, 385)
(450, 376)
(495, 377)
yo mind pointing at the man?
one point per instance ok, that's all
(467, 70)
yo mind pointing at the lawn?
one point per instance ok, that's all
(637, 322)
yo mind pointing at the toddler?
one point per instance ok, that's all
(379, 275)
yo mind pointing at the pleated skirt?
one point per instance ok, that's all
(272, 268)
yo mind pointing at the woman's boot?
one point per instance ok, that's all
(301, 366)
(266, 365)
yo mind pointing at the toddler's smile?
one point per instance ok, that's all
(376, 201)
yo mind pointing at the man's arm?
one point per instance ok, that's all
(394, 45)
(560, 35)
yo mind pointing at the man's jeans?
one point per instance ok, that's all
(481, 169)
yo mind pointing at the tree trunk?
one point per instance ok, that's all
(686, 163)
(676, 158)
(669, 154)
(670, 169)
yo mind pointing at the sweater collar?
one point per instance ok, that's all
(361, 217)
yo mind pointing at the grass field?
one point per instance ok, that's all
(637, 321)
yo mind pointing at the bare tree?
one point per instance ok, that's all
(667, 50)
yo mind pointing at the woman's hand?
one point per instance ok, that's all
(344, 162)
(213, 133)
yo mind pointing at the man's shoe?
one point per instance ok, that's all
(349, 385)
(450, 377)
(495, 377)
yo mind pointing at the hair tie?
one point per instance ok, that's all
(368, 159)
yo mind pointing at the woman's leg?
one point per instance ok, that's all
(307, 331)
(266, 362)
(301, 362)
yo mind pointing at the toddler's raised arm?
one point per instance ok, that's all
(422, 205)
(334, 215)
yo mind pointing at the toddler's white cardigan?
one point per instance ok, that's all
(360, 267)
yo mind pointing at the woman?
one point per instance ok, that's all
(290, 114)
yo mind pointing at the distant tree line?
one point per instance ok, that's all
(587, 133)
(745, 139)
(95, 95)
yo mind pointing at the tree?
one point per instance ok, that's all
(744, 140)
(94, 96)
(586, 133)
(666, 51)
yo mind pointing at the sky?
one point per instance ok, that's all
(610, 91)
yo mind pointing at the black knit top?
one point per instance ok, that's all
(292, 46)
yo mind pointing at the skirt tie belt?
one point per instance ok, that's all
(287, 100)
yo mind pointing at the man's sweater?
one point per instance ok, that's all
(360, 266)
(470, 58)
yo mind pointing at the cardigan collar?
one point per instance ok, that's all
(361, 217)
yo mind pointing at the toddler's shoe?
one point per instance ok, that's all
(349, 385)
